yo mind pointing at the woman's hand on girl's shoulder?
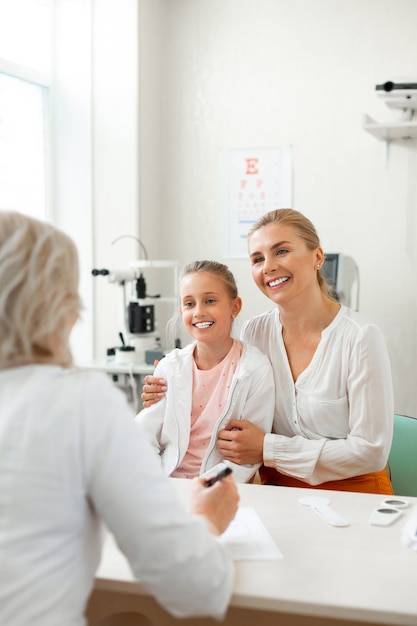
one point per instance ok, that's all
(153, 390)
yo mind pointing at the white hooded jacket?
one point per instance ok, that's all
(168, 422)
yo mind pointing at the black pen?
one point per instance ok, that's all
(223, 472)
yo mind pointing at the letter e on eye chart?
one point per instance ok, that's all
(255, 181)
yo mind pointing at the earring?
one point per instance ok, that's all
(318, 266)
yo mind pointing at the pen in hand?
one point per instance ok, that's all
(222, 474)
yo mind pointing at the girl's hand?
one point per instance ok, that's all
(241, 442)
(217, 504)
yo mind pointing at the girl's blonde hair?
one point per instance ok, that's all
(305, 229)
(39, 297)
(213, 267)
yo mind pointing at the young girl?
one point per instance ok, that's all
(334, 406)
(209, 382)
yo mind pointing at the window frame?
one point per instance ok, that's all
(40, 79)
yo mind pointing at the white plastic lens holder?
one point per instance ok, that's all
(396, 503)
(384, 516)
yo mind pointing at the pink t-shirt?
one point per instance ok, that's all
(210, 391)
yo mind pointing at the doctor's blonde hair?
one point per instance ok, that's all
(39, 297)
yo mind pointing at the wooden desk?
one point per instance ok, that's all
(357, 575)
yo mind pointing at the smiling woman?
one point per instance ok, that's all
(333, 418)
(334, 402)
(307, 243)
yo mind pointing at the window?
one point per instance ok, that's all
(25, 33)
(25, 60)
(23, 153)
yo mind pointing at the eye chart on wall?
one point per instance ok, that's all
(257, 181)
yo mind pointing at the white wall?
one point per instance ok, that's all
(115, 155)
(195, 78)
(95, 168)
(71, 148)
(221, 74)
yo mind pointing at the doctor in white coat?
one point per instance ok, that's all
(71, 457)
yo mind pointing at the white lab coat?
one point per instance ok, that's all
(168, 422)
(70, 454)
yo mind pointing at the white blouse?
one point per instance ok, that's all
(336, 420)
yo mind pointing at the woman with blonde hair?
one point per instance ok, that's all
(334, 409)
(72, 456)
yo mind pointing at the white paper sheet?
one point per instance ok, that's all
(247, 539)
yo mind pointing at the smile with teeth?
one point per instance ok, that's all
(279, 281)
(203, 324)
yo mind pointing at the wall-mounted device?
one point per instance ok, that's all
(399, 95)
(342, 274)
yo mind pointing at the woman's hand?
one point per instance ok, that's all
(217, 504)
(241, 442)
(153, 390)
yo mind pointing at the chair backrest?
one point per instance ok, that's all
(403, 456)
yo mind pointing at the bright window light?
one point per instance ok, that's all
(25, 33)
(23, 147)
